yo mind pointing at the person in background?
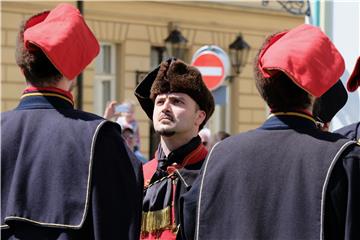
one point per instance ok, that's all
(286, 179)
(125, 116)
(217, 137)
(205, 135)
(128, 135)
(65, 173)
(176, 99)
(352, 131)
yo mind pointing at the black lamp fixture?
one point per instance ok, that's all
(239, 53)
(175, 43)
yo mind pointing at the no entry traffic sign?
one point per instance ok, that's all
(211, 65)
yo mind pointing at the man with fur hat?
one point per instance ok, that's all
(286, 179)
(175, 97)
(65, 174)
(352, 131)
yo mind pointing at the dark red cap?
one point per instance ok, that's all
(64, 37)
(306, 55)
(354, 81)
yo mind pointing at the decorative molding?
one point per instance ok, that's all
(108, 30)
(301, 7)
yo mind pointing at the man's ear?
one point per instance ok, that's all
(201, 116)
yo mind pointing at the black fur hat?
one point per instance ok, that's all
(174, 75)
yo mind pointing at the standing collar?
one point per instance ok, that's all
(287, 120)
(48, 97)
(191, 153)
(178, 155)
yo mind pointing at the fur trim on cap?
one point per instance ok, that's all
(175, 76)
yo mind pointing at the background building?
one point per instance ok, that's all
(132, 42)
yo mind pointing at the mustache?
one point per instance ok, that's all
(166, 116)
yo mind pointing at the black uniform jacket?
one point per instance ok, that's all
(66, 174)
(284, 180)
(167, 183)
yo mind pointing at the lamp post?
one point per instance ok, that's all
(175, 44)
(79, 81)
(239, 53)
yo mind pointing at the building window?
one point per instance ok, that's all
(157, 55)
(105, 75)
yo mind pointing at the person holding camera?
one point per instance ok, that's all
(65, 173)
(125, 116)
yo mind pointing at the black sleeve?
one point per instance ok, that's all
(342, 207)
(351, 131)
(117, 187)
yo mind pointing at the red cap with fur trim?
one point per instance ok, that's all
(64, 37)
(354, 81)
(306, 55)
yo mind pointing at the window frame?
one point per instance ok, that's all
(101, 77)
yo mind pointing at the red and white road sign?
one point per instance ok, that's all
(211, 68)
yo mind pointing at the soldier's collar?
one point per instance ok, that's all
(48, 92)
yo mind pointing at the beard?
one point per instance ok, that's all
(165, 133)
(162, 130)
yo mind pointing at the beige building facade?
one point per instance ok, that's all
(132, 37)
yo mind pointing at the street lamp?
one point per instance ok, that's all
(239, 53)
(175, 44)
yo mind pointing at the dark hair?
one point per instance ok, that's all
(279, 91)
(127, 129)
(37, 68)
(221, 135)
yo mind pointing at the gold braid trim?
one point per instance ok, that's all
(156, 220)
